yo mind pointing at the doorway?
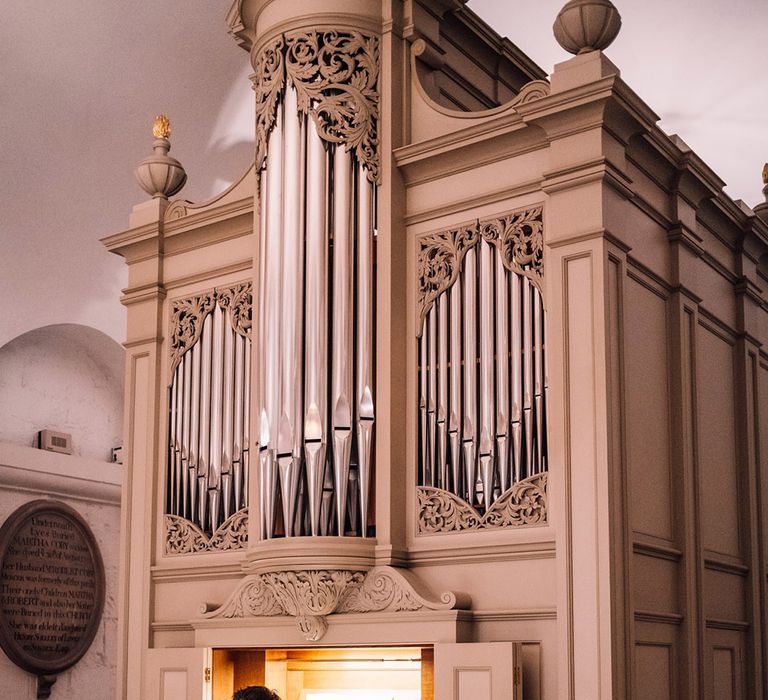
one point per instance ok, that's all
(339, 673)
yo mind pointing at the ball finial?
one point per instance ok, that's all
(160, 175)
(587, 25)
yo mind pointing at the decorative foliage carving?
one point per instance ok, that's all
(239, 302)
(439, 262)
(518, 236)
(525, 503)
(335, 75)
(188, 315)
(385, 588)
(311, 595)
(268, 85)
(187, 318)
(184, 537)
(519, 240)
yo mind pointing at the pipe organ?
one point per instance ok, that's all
(208, 421)
(482, 369)
(554, 456)
(317, 109)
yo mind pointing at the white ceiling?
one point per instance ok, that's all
(81, 82)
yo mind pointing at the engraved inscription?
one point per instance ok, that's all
(51, 589)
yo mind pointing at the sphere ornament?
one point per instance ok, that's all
(160, 175)
(587, 25)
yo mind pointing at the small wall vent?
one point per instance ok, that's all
(54, 441)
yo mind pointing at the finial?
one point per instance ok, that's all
(161, 129)
(160, 175)
(587, 25)
(765, 183)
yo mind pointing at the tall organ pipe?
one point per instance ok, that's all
(528, 373)
(185, 455)
(454, 416)
(341, 396)
(228, 436)
(470, 376)
(271, 196)
(316, 311)
(432, 395)
(502, 374)
(365, 415)
(538, 337)
(291, 355)
(487, 402)
(517, 377)
(441, 471)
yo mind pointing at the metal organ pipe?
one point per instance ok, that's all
(442, 393)
(269, 346)
(365, 409)
(316, 296)
(454, 414)
(341, 395)
(289, 442)
(470, 376)
(316, 312)
(487, 403)
(482, 380)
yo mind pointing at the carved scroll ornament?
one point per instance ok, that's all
(518, 237)
(311, 595)
(525, 503)
(188, 315)
(439, 262)
(335, 75)
(184, 537)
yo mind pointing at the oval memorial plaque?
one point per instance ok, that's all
(51, 587)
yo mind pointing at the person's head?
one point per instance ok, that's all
(255, 692)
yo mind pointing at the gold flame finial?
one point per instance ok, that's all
(161, 129)
(765, 174)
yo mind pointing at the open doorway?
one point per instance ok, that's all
(348, 673)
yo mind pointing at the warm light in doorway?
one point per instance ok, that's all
(352, 694)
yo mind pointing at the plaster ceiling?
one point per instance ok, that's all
(82, 81)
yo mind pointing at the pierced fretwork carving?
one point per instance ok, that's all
(187, 316)
(311, 595)
(523, 504)
(439, 260)
(335, 74)
(184, 537)
(518, 237)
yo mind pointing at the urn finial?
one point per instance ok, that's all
(160, 175)
(587, 25)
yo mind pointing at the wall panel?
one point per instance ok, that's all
(717, 444)
(647, 410)
(653, 671)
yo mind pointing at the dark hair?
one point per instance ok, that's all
(255, 692)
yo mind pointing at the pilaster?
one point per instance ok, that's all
(142, 248)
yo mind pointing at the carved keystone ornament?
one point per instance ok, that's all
(311, 595)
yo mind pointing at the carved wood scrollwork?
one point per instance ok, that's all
(520, 242)
(311, 595)
(188, 315)
(518, 236)
(439, 262)
(335, 74)
(525, 503)
(184, 537)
